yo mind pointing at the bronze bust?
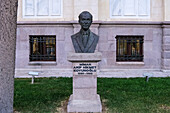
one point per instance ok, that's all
(85, 41)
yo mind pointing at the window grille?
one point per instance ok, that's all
(42, 48)
(129, 48)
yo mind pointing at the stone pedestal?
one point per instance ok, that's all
(84, 97)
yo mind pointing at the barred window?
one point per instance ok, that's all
(129, 48)
(42, 48)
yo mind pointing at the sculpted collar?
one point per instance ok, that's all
(85, 32)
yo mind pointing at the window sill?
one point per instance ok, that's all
(130, 63)
(42, 63)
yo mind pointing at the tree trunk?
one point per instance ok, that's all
(8, 19)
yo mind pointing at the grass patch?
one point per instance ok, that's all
(42, 97)
(132, 95)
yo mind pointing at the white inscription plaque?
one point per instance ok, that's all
(85, 68)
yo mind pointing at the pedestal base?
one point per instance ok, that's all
(84, 97)
(84, 105)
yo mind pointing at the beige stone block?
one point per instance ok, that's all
(68, 3)
(166, 55)
(84, 85)
(103, 62)
(61, 54)
(84, 105)
(84, 94)
(167, 9)
(84, 57)
(111, 61)
(84, 81)
(148, 46)
(124, 30)
(67, 33)
(166, 39)
(103, 47)
(109, 46)
(157, 12)
(86, 5)
(85, 2)
(69, 47)
(166, 47)
(60, 34)
(111, 35)
(94, 28)
(104, 10)
(108, 54)
(68, 10)
(157, 3)
(149, 34)
(149, 62)
(24, 46)
(166, 32)
(103, 36)
(166, 63)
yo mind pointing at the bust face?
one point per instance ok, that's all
(85, 21)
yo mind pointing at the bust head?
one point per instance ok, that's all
(85, 20)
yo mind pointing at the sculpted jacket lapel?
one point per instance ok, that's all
(90, 41)
(79, 41)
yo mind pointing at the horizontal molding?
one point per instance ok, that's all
(130, 63)
(45, 23)
(42, 63)
(163, 23)
(43, 69)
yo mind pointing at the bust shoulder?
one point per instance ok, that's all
(95, 35)
(75, 35)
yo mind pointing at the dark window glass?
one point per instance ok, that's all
(42, 48)
(129, 48)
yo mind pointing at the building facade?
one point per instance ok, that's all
(134, 36)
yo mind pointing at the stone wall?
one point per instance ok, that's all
(107, 31)
(166, 47)
(151, 50)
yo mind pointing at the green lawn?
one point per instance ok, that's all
(132, 95)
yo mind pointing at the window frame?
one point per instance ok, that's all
(35, 15)
(128, 57)
(136, 16)
(41, 57)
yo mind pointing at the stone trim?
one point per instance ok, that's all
(166, 46)
(154, 32)
(166, 22)
(41, 63)
(44, 22)
(84, 57)
(94, 22)
(130, 63)
(107, 73)
(40, 69)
